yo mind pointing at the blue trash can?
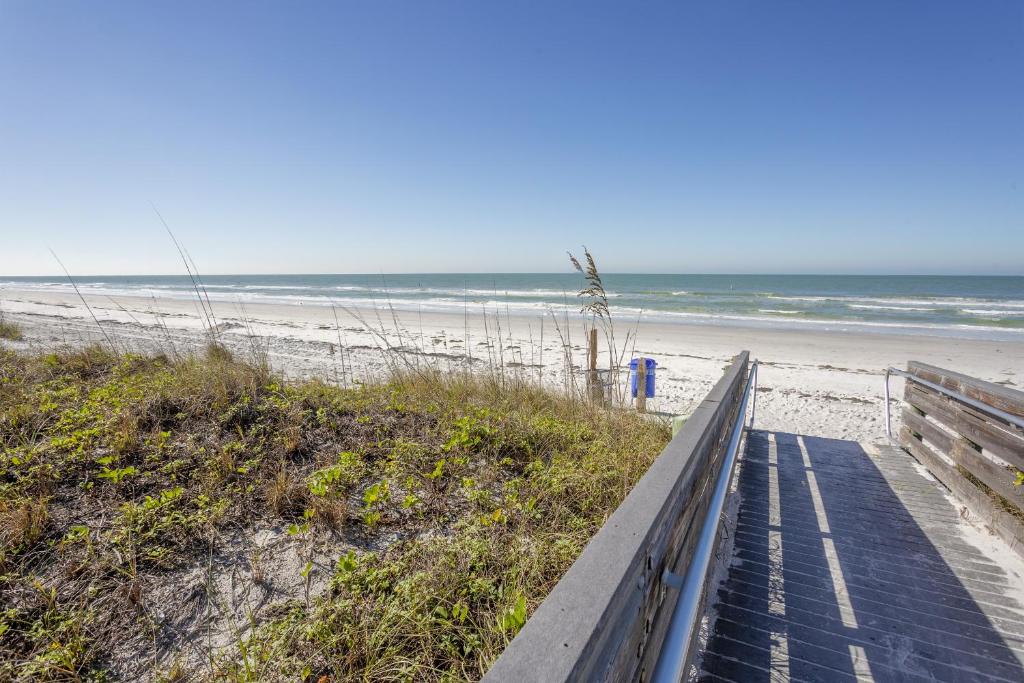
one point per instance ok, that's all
(651, 365)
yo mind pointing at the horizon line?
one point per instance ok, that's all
(62, 276)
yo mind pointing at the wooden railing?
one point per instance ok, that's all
(971, 440)
(606, 619)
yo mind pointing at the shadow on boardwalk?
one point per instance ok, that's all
(848, 565)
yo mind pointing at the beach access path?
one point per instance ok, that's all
(850, 562)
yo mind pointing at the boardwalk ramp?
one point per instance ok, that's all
(851, 562)
(747, 555)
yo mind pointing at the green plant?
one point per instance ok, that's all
(374, 498)
(468, 432)
(117, 474)
(331, 481)
(302, 528)
(512, 618)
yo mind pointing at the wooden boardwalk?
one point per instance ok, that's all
(849, 564)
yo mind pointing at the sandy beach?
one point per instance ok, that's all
(812, 382)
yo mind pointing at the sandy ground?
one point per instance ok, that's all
(811, 382)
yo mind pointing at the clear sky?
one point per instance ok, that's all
(858, 137)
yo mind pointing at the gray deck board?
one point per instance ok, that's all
(850, 565)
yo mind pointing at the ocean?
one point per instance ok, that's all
(956, 306)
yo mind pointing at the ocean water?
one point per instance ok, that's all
(974, 307)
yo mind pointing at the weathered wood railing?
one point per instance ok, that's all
(966, 440)
(606, 619)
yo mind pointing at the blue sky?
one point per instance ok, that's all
(853, 137)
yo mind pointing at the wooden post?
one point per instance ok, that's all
(593, 382)
(641, 384)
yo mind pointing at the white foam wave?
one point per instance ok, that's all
(878, 307)
(475, 292)
(945, 301)
(991, 312)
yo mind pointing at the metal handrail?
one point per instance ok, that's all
(675, 647)
(974, 403)
(752, 378)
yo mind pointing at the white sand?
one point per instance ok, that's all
(811, 382)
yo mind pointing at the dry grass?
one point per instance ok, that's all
(10, 330)
(594, 306)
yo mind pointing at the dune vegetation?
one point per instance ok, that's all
(10, 330)
(199, 518)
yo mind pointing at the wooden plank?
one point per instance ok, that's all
(995, 395)
(596, 623)
(969, 423)
(641, 384)
(1007, 527)
(634, 650)
(934, 621)
(696, 515)
(931, 432)
(684, 539)
(997, 478)
(650, 626)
